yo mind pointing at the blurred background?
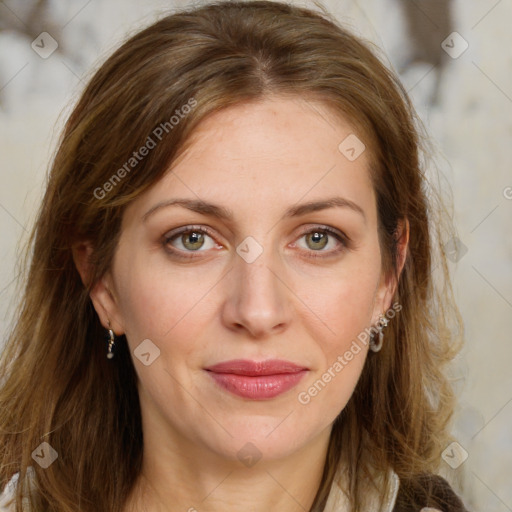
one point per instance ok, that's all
(454, 59)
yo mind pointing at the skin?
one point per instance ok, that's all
(256, 159)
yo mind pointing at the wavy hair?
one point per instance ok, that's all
(56, 383)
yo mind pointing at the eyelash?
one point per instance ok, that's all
(343, 239)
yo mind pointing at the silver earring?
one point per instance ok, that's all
(111, 344)
(383, 322)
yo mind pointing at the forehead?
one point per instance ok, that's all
(281, 126)
(261, 155)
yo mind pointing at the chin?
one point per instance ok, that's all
(265, 438)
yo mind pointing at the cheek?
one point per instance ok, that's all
(159, 302)
(344, 303)
(345, 307)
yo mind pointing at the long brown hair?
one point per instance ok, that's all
(56, 383)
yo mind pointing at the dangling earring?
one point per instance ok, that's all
(111, 344)
(383, 322)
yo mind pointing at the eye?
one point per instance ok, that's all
(188, 240)
(319, 237)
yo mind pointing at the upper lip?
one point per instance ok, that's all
(256, 368)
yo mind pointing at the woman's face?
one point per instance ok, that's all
(264, 281)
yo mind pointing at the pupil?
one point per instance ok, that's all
(193, 238)
(317, 238)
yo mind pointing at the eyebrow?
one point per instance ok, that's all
(223, 213)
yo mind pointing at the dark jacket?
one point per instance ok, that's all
(427, 491)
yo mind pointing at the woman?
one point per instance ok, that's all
(230, 302)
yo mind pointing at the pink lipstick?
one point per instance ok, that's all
(257, 380)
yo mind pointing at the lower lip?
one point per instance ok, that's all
(258, 388)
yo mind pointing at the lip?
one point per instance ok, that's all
(257, 380)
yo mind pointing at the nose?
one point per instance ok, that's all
(258, 298)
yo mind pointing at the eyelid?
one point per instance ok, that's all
(191, 227)
(324, 227)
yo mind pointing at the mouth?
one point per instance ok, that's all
(257, 380)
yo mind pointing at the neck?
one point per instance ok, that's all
(188, 477)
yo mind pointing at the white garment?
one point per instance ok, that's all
(338, 501)
(7, 496)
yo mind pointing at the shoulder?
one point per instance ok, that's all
(429, 492)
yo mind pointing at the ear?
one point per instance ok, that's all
(388, 283)
(102, 297)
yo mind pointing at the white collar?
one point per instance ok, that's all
(338, 500)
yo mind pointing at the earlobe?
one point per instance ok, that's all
(105, 305)
(103, 299)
